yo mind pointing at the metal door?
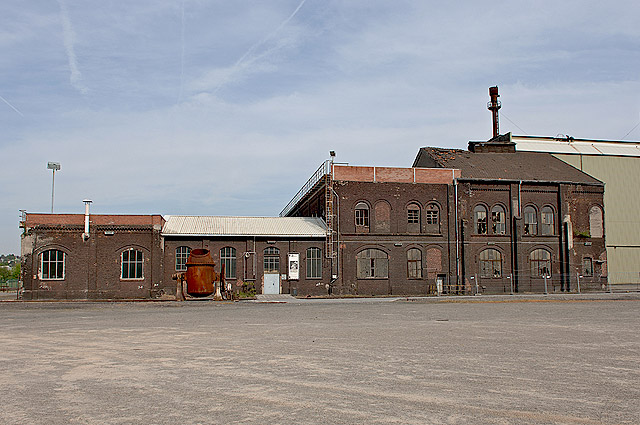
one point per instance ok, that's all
(271, 283)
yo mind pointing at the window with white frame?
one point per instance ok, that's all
(362, 214)
(271, 260)
(228, 258)
(52, 265)
(182, 254)
(131, 264)
(314, 263)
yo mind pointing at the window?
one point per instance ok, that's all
(587, 267)
(413, 218)
(414, 264)
(490, 263)
(314, 263)
(372, 264)
(432, 216)
(540, 263)
(596, 227)
(547, 221)
(272, 260)
(498, 220)
(530, 221)
(131, 261)
(480, 219)
(182, 254)
(52, 265)
(228, 258)
(413, 215)
(362, 214)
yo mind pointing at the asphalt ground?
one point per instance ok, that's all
(482, 360)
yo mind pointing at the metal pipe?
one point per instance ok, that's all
(455, 226)
(85, 235)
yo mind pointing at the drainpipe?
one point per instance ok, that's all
(455, 185)
(85, 235)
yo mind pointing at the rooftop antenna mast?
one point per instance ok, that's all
(494, 106)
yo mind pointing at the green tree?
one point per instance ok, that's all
(15, 272)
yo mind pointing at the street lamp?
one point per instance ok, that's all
(53, 166)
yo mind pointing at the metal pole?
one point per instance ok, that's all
(511, 282)
(578, 280)
(476, 279)
(53, 182)
(545, 285)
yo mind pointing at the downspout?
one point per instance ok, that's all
(337, 211)
(455, 185)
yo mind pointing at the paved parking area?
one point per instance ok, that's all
(567, 361)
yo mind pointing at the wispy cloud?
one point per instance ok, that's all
(69, 41)
(11, 106)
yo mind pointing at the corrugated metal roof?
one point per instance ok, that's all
(576, 146)
(244, 226)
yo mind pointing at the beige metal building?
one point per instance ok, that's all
(617, 164)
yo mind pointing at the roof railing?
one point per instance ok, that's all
(321, 172)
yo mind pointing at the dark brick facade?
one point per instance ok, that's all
(92, 266)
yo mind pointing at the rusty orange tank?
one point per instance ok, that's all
(201, 273)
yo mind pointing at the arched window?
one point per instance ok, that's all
(540, 263)
(530, 221)
(414, 264)
(432, 218)
(490, 263)
(498, 220)
(228, 258)
(480, 219)
(596, 228)
(131, 264)
(272, 260)
(182, 254)
(413, 218)
(547, 221)
(362, 214)
(52, 265)
(372, 264)
(314, 263)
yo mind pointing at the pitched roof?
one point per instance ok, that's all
(313, 227)
(527, 166)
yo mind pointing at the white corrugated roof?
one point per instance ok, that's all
(181, 225)
(576, 146)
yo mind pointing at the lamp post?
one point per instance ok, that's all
(53, 166)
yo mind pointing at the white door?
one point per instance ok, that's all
(271, 283)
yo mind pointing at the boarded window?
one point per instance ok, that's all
(434, 262)
(413, 218)
(372, 264)
(432, 218)
(596, 228)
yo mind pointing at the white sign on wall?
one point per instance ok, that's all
(294, 266)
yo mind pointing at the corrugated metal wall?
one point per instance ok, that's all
(622, 210)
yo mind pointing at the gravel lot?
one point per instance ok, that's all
(544, 361)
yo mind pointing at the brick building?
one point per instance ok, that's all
(119, 257)
(487, 220)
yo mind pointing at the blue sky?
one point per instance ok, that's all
(225, 108)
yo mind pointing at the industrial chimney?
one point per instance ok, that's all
(494, 105)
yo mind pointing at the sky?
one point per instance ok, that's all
(213, 107)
